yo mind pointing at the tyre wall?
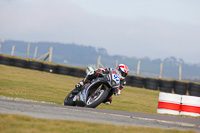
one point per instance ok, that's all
(181, 87)
(41, 66)
(194, 89)
(151, 83)
(71, 71)
(166, 85)
(63, 70)
(20, 63)
(6, 60)
(50, 68)
(36, 65)
(135, 81)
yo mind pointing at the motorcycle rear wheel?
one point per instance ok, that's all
(96, 98)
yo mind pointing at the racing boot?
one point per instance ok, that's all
(108, 101)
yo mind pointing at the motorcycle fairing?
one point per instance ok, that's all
(81, 97)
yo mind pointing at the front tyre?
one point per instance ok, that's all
(69, 100)
(96, 98)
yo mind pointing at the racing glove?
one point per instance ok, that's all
(80, 84)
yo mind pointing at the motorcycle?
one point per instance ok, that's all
(95, 92)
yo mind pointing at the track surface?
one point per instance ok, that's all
(49, 111)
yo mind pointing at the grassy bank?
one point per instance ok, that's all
(25, 124)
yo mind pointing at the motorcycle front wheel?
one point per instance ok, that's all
(96, 98)
(69, 99)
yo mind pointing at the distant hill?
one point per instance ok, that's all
(79, 55)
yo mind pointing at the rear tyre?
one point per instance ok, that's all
(96, 98)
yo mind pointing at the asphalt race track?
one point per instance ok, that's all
(49, 111)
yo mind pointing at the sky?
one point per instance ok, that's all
(132, 28)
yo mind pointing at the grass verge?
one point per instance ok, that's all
(24, 124)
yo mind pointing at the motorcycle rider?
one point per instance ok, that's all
(122, 69)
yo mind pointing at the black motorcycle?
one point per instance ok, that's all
(95, 92)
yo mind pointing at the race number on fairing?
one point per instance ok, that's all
(116, 78)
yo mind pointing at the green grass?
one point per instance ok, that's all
(30, 84)
(24, 124)
(43, 86)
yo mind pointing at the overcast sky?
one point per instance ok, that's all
(133, 28)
